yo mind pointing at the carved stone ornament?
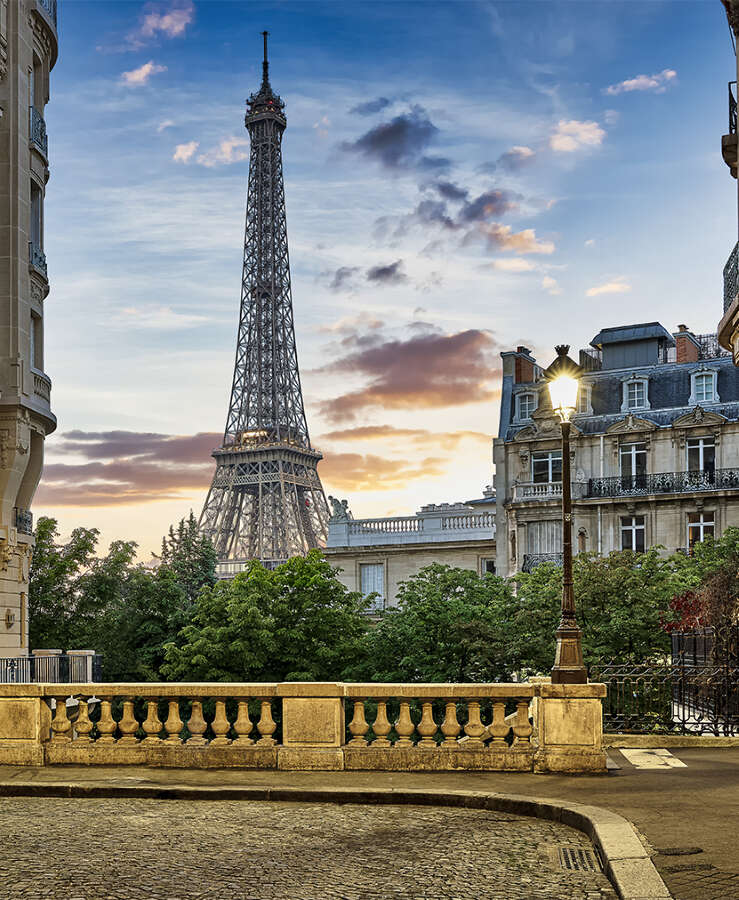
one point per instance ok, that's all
(6, 553)
(630, 424)
(340, 511)
(732, 14)
(699, 416)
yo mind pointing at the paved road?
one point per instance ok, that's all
(152, 849)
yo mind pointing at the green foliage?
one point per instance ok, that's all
(190, 557)
(294, 623)
(446, 628)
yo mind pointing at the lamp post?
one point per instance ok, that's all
(568, 668)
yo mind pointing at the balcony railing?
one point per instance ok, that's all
(420, 529)
(49, 7)
(664, 483)
(42, 386)
(732, 109)
(24, 520)
(731, 278)
(37, 259)
(37, 131)
(532, 560)
(76, 667)
(538, 490)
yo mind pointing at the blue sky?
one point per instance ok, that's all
(461, 178)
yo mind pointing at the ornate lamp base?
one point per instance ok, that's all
(568, 662)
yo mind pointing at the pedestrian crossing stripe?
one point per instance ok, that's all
(652, 759)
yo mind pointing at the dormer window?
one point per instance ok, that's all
(525, 406)
(584, 404)
(703, 387)
(635, 394)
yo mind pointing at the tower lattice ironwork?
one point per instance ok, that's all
(266, 501)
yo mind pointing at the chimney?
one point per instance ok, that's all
(524, 368)
(687, 346)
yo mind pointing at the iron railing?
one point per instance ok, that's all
(49, 7)
(56, 669)
(664, 483)
(37, 131)
(532, 560)
(731, 278)
(37, 258)
(732, 109)
(24, 520)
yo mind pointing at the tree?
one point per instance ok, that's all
(190, 557)
(294, 623)
(446, 628)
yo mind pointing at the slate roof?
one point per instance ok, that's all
(622, 333)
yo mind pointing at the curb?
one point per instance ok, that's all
(626, 863)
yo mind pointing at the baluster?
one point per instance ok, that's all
(381, 726)
(196, 725)
(498, 728)
(128, 725)
(106, 723)
(404, 726)
(474, 729)
(427, 727)
(83, 725)
(173, 726)
(152, 724)
(243, 725)
(358, 726)
(450, 727)
(60, 724)
(220, 725)
(521, 726)
(266, 725)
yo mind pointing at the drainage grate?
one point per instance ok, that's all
(579, 859)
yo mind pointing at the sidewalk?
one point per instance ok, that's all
(674, 808)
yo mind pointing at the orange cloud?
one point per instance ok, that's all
(358, 472)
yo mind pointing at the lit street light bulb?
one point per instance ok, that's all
(563, 393)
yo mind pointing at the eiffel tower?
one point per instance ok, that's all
(266, 501)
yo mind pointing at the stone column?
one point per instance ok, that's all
(25, 719)
(568, 722)
(313, 730)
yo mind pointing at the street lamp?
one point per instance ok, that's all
(562, 377)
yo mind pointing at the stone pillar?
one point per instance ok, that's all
(80, 665)
(313, 730)
(25, 719)
(568, 723)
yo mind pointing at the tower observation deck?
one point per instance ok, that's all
(266, 501)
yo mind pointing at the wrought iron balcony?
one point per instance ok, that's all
(731, 278)
(37, 131)
(37, 259)
(24, 520)
(732, 109)
(664, 483)
(49, 7)
(532, 560)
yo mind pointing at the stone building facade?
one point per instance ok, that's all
(376, 555)
(28, 51)
(728, 328)
(654, 448)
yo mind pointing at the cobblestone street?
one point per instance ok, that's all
(73, 849)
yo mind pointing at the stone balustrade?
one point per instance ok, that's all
(535, 726)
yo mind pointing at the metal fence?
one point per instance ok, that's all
(57, 669)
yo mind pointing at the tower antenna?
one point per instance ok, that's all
(265, 63)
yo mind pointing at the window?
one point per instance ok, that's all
(36, 230)
(702, 455)
(584, 407)
(633, 460)
(632, 533)
(487, 566)
(372, 581)
(700, 526)
(546, 466)
(37, 343)
(525, 405)
(636, 395)
(544, 537)
(703, 387)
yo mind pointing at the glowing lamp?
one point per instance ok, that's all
(563, 394)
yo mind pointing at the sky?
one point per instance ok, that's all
(461, 178)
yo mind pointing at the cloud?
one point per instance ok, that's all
(450, 191)
(615, 286)
(490, 204)
(657, 83)
(611, 116)
(158, 317)
(590, 242)
(389, 274)
(503, 237)
(447, 440)
(167, 123)
(171, 23)
(126, 467)
(512, 264)
(341, 279)
(184, 152)
(400, 144)
(551, 285)
(230, 150)
(516, 158)
(358, 472)
(140, 76)
(370, 107)
(426, 371)
(571, 135)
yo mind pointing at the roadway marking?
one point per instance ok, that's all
(652, 759)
